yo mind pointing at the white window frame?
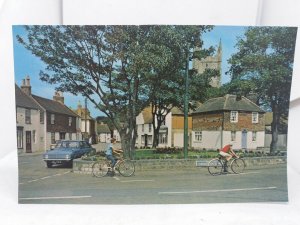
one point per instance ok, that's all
(150, 127)
(254, 117)
(163, 138)
(198, 136)
(20, 138)
(234, 116)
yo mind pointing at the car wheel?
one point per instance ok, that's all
(49, 164)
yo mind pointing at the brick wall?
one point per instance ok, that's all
(244, 122)
(213, 121)
(61, 123)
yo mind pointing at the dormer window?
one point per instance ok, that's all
(234, 116)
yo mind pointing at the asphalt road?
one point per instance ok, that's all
(41, 185)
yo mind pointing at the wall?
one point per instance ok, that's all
(61, 123)
(35, 125)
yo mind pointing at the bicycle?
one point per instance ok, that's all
(218, 165)
(102, 167)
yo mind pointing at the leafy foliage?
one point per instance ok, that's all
(120, 69)
(263, 66)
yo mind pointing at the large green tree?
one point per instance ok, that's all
(263, 67)
(112, 66)
(166, 81)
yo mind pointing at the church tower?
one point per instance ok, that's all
(211, 62)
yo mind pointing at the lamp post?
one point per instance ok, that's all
(186, 105)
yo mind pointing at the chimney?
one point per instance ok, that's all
(26, 87)
(58, 97)
(238, 97)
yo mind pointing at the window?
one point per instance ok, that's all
(143, 127)
(52, 138)
(255, 117)
(233, 135)
(52, 118)
(41, 117)
(70, 121)
(234, 116)
(162, 139)
(70, 136)
(20, 137)
(34, 136)
(198, 136)
(150, 127)
(62, 135)
(27, 116)
(254, 135)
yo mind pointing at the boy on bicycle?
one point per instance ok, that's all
(111, 151)
(227, 152)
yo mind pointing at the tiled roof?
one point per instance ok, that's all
(53, 106)
(23, 100)
(228, 102)
(103, 128)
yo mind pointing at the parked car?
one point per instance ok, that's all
(65, 151)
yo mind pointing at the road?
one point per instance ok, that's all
(40, 185)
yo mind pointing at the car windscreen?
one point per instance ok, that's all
(69, 144)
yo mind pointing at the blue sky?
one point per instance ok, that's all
(27, 64)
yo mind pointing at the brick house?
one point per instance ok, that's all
(229, 119)
(56, 121)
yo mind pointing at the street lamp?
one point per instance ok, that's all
(186, 105)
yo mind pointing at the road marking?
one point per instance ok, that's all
(116, 178)
(62, 197)
(128, 181)
(43, 178)
(236, 174)
(214, 191)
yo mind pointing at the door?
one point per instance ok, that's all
(28, 142)
(244, 139)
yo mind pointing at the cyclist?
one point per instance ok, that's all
(111, 151)
(227, 152)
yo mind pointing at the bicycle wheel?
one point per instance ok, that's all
(126, 168)
(100, 168)
(215, 167)
(237, 165)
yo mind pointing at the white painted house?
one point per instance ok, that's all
(30, 123)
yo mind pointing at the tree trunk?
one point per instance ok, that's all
(274, 129)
